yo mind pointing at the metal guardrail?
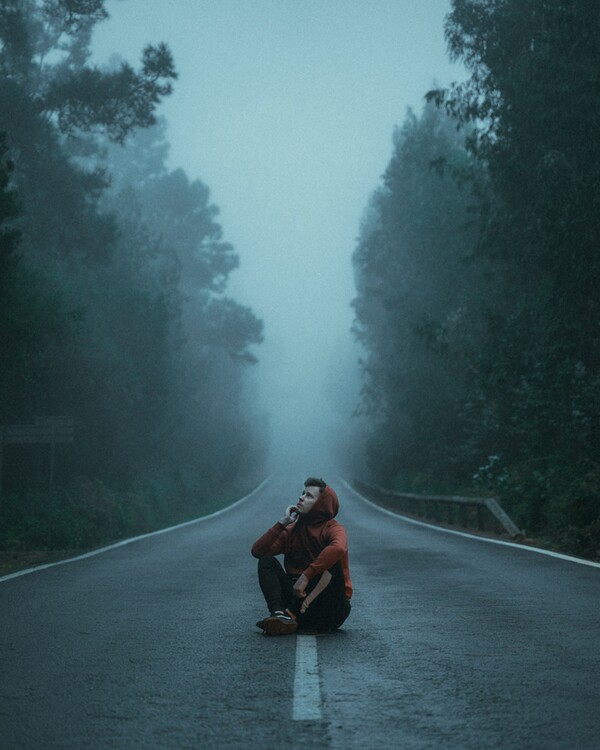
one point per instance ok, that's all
(483, 513)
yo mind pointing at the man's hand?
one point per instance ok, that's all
(322, 584)
(300, 586)
(291, 515)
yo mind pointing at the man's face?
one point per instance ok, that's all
(307, 499)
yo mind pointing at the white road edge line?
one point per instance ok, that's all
(123, 542)
(524, 547)
(307, 689)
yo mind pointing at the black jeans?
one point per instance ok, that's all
(327, 612)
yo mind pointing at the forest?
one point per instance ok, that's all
(114, 315)
(478, 275)
(477, 271)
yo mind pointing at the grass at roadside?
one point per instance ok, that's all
(36, 528)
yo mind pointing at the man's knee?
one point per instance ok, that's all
(267, 562)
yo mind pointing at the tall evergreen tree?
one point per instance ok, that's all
(114, 310)
(416, 311)
(532, 96)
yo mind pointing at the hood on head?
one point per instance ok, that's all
(325, 508)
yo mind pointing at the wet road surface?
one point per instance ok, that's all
(451, 643)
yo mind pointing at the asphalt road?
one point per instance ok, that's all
(452, 643)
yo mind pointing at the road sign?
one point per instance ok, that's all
(50, 430)
(25, 433)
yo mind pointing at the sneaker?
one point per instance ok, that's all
(278, 624)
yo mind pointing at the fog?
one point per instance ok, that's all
(286, 111)
(147, 381)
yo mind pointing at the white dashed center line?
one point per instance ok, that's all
(307, 689)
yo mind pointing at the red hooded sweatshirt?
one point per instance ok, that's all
(312, 544)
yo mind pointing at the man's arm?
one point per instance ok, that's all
(272, 542)
(323, 582)
(334, 551)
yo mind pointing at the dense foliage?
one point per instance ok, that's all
(113, 272)
(504, 316)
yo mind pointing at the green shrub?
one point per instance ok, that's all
(90, 513)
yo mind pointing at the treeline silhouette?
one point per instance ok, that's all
(112, 271)
(478, 275)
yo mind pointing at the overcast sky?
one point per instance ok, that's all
(286, 111)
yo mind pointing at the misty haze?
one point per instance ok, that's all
(300, 337)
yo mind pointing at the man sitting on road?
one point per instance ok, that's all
(313, 592)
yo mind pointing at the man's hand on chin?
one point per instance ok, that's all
(290, 515)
